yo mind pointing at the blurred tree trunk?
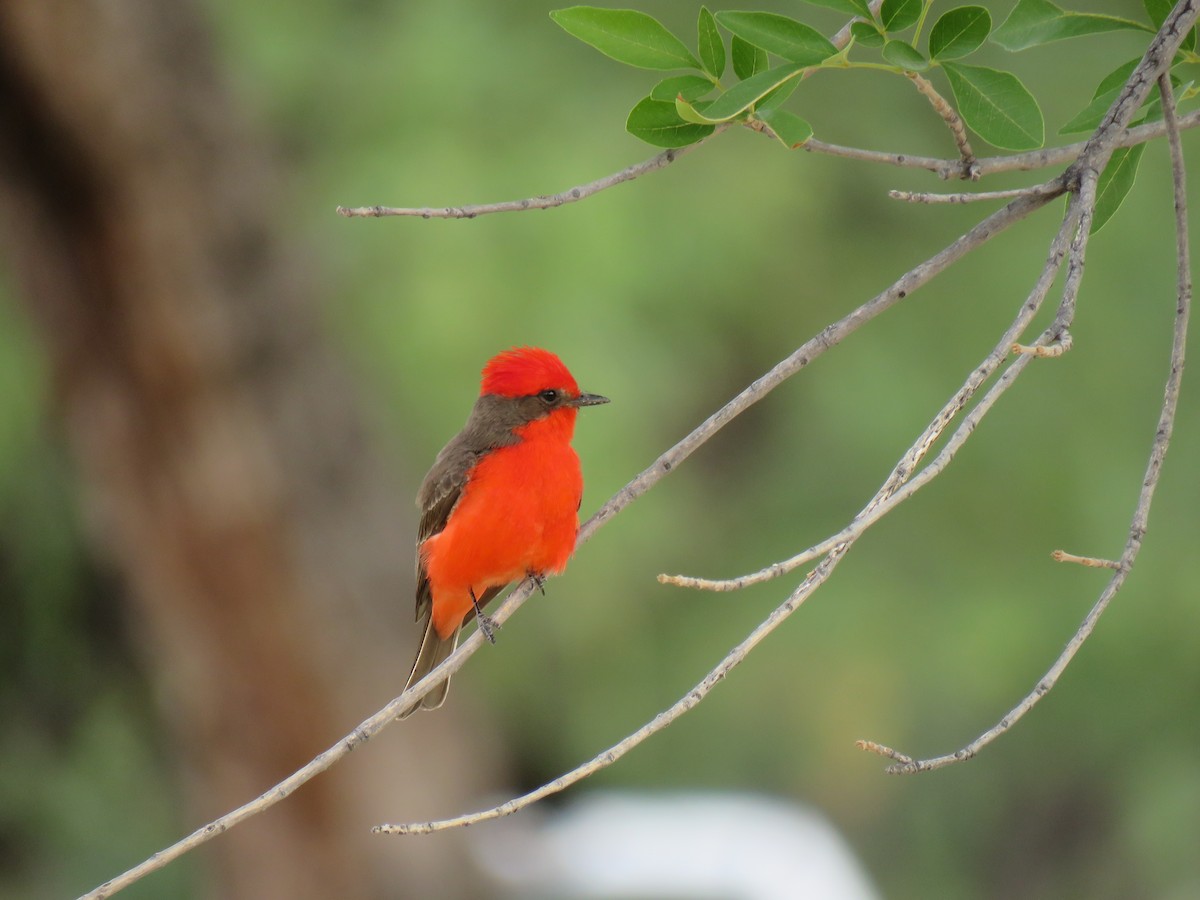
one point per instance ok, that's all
(226, 468)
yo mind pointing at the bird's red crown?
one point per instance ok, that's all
(522, 371)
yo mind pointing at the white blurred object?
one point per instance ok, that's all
(695, 845)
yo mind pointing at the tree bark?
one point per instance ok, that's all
(227, 470)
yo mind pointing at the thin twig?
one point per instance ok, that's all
(1032, 160)
(953, 121)
(571, 195)
(1092, 562)
(963, 197)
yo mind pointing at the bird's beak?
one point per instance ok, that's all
(589, 400)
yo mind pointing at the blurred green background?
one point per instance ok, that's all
(669, 295)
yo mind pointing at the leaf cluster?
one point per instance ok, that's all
(770, 53)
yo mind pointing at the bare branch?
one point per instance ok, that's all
(1033, 160)
(571, 195)
(965, 197)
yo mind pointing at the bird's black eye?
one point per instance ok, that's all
(549, 395)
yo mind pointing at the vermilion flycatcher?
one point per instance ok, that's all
(501, 502)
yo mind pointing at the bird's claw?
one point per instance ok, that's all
(488, 626)
(538, 582)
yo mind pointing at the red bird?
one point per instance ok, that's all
(501, 502)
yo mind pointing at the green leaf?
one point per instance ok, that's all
(709, 43)
(996, 106)
(656, 122)
(905, 55)
(791, 130)
(740, 97)
(776, 97)
(1114, 184)
(1034, 22)
(1158, 10)
(959, 32)
(850, 7)
(690, 87)
(1088, 118)
(792, 40)
(627, 36)
(897, 15)
(867, 34)
(747, 59)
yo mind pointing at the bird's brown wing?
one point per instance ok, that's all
(439, 495)
(486, 429)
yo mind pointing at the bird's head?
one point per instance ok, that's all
(534, 385)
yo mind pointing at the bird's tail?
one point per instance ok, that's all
(430, 654)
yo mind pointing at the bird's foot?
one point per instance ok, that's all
(488, 626)
(539, 582)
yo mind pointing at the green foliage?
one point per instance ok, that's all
(740, 97)
(626, 35)
(1115, 183)
(905, 55)
(657, 123)
(788, 127)
(1036, 22)
(993, 103)
(899, 15)
(708, 41)
(748, 60)
(996, 106)
(792, 40)
(849, 7)
(689, 87)
(959, 32)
